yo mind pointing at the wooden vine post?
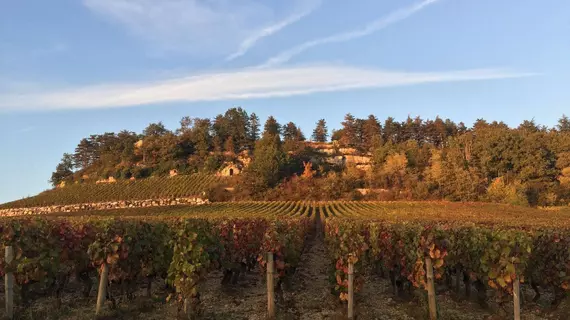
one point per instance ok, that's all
(350, 288)
(102, 293)
(431, 290)
(9, 283)
(516, 298)
(270, 286)
(188, 308)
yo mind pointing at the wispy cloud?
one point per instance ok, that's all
(54, 48)
(194, 27)
(26, 129)
(372, 27)
(233, 85)
(268, 31)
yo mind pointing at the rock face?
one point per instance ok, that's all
(358, 159)
(347, 151)
(103, 206)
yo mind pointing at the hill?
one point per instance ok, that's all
(121, 190)
(414, 159)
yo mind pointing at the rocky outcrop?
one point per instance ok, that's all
(110, 180)
(102, 206)
(347, 151)
(358, 159)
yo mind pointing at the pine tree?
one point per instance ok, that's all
(155, 129)
(563, 124)
(272, 127)
(201, 137)
(63, 171)
(349, 131)
(371, 132)
(253, 129)
(292, 133)
(84, 154)
(321, 132)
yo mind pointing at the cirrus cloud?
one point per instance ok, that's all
(370, 28)
(199, 27)
(235, 85)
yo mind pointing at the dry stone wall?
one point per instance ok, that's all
(102, 206)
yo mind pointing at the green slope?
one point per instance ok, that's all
(150, 188)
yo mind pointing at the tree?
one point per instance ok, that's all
(529, 126)
(563, 124)
(220, 132)
(435, 132)
(185, 124)
(349, 131)
(63, 171)
(371, 132)
(458, 182)
(321, 132)
(253, 129)
(233, 124)
(337, 135)
(293, 137)
(84, 154)
(161, 149)
(237, 122)
(272, 127)
(201, 137)
(229, 145)
(391, 130)
(266, 168)
(125, 146)
(155, 129)
(292, 133)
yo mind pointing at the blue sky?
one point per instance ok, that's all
(71, 68)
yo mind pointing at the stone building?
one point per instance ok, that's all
(230, 169)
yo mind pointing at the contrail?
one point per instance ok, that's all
(372, 27)
(267, 31)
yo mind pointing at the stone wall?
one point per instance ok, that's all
(103, 206)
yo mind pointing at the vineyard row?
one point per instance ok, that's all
(123, 190)
(182, 244)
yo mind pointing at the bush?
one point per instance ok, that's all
(140, 172)
(218, 193)
(514, 193)
(213, 163)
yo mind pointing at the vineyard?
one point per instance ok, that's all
(150, 188)
(474, 249)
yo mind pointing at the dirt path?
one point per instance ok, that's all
(245, 300)
(309, 296)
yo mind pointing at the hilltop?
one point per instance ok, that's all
(414, 159)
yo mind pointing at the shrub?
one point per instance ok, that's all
(514, 193)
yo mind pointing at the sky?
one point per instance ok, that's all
(72, 68)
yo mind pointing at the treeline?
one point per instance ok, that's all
(197, 145)
(413, 159)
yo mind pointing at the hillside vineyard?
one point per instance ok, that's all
(154, 188)
(363, 159)
(485, 246)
